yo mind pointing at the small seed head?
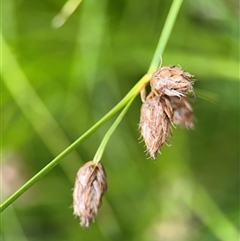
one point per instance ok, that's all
(90, 186)
(171, 81)
(155, 123)
(166, 104)
(182, 112)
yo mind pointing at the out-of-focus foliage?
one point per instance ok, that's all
(61, 81)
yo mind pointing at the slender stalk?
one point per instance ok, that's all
(166, 32)
(167, 29)
(67, 10)
(101, 149)
(131, 94)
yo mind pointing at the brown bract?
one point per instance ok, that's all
(166, 104)
(155, 123)
(171, 81)
(182, 112)
(90, 186)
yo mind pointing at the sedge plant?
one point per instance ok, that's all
(125, 102)
(203, 200)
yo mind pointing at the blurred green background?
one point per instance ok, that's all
(57, 82)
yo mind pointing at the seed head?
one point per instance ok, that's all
(166, 104)
(90, 186)
(182, 112)
(155, 123)
(171, 81)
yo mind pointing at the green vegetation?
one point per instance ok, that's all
(57, 83)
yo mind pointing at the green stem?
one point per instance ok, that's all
(67, 10)
(131, 94)
(101, 148)
(167, 29)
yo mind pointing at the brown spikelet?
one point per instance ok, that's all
(182, 112)
(171, 81)
(90, 186)
(166, 104)
(155, 123)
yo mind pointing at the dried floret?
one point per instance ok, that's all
(171, 81)
(90, 186)
(166, 104)
(155, 123)
(182, 112)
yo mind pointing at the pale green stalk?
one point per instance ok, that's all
(101, 149)
(67, 10)
(132, 93)
(169, 24)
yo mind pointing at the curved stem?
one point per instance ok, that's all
(101, 148)
(131, 94)
(167, 29)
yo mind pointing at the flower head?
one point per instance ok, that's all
(182, 112)
(90, 186)
(155, 123)
(166, 104)
(171, 81)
